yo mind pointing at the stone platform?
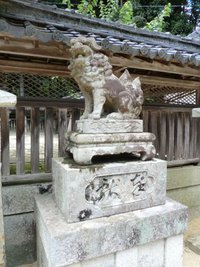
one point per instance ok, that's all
(109, 137)
(150, 237)
(89, 126)
(87, 192)
(85, 147)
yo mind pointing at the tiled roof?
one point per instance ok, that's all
(195, 35)
(47, 23)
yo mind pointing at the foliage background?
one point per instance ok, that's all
(178, 18)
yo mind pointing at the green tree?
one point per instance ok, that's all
(159, 23)
(142, 13)
(126, 13)
(181, 24)
(180, 20)
(195, 11)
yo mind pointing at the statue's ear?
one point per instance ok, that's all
(73, 41)
(125, 77)
(137, 82)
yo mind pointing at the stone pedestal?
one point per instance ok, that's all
(88, 126)
(87, 192)
(112, 213)
(109, 137)
(145, 238)
(109, 215)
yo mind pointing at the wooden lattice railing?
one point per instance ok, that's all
(177, 141)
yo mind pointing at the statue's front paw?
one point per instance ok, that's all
(94, 116)
(115, 116)
(84, 116)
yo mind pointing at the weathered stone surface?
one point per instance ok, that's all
(105, 261)
(151, 255)
(174, 257)
(105, 189)
(65, 244)
(20, 239)
(107, 139)
(161, 253)
(109, 126)
(128, 257)
(85, 146)
(42, 260)
(20, 199)
(154, 254)
(19, 222)
(7, 99)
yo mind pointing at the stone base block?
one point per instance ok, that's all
(151, 237)
(109, 126)
(87, 192)
(85, 147)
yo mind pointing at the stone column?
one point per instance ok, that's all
(7, 100)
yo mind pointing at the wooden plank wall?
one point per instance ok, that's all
(177, 140)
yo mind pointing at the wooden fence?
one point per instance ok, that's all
(33, 118)
(177, 141)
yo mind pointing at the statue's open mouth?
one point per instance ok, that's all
(81, 50)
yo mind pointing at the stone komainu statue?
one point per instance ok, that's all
(105, 94)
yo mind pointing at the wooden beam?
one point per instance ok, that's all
(33, 49)
(32, 67)
(163, 81)
(138, 63)
(46, 52)
(52, 50)
(27, 179)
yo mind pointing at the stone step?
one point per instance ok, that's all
(103, 239)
